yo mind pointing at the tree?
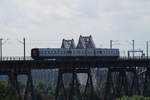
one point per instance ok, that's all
(7, 92)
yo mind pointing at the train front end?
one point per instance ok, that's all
(35, 53)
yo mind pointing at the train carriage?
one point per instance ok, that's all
(55, 53)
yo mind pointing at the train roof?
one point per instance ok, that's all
(77, 48)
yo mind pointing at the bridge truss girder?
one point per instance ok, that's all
(14, 84)
(74, 89)
(126, 83)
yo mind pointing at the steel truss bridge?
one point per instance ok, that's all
(125, 76)
(125, 69)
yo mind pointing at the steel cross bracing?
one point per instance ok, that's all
(60, 92)
(86, 42)
(74, 88)
(68, 44)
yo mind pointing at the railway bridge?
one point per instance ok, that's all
(123, 77)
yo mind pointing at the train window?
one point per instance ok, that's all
(104, 52)
(42, 52)
(79, 52)
(34, 52)
(100, 52)
(69, 51)
(116, 52)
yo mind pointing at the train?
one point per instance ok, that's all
(65, 53)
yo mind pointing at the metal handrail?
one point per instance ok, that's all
(8, 58)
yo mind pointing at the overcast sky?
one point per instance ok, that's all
(45, 23)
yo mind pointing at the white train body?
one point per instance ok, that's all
(54, 53)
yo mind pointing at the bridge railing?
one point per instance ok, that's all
(15, 58)
(9, 58)
(135, 57)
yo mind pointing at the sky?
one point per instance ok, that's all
(44, 23)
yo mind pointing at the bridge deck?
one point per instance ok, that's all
(74, 63)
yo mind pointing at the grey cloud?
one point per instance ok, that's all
(57, 19)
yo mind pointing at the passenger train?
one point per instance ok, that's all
(61, 53)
